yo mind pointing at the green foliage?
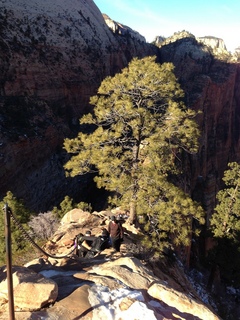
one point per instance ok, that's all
(84, 206)
(225, 226)
(225, 222)
(19, 244)
(67, 205)
(170, 215)
(141, 126)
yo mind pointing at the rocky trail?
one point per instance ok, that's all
(109, 286)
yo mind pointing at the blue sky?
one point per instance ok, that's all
(218, 18)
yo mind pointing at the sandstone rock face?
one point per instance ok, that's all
(60, 51)
(119, 28)
(180, 301)
(159, 40)
(211, 86)
(76, 215)
(213, 42)
(32, 291)
(53, 57)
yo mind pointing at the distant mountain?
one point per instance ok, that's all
(217, 45)
(123, 30)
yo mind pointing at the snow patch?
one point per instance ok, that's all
(106, 304)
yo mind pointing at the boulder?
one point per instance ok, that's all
(74, 305)
(31, 290)
(128, 271)
(181, 302)
(75, 216)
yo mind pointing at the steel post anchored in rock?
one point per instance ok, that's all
(9, 262)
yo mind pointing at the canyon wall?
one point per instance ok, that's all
(53, 57)
(212, 86)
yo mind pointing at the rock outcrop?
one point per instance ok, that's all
(213, 42)
(109, 286)
(32, 291)
(121, 29)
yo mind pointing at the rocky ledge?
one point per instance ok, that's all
(109, 286)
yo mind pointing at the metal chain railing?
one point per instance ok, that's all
(27, 237)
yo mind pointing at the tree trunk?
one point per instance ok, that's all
(134, 175)
(132, 215)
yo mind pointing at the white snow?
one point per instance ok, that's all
(106, 302)
(52, 273)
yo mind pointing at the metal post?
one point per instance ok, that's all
(9, 262)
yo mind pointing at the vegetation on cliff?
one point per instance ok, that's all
(225, 221)
(40, 227)
(225, 226)
(19, 244)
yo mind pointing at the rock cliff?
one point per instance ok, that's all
(119, 28)
(211, 84)
(53, 57)
(213, 42)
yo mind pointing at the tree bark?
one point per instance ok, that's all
(132, 211)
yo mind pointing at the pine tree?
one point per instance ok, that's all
(140, 128)
(225, 226)
(225, 222)
(18, 208)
